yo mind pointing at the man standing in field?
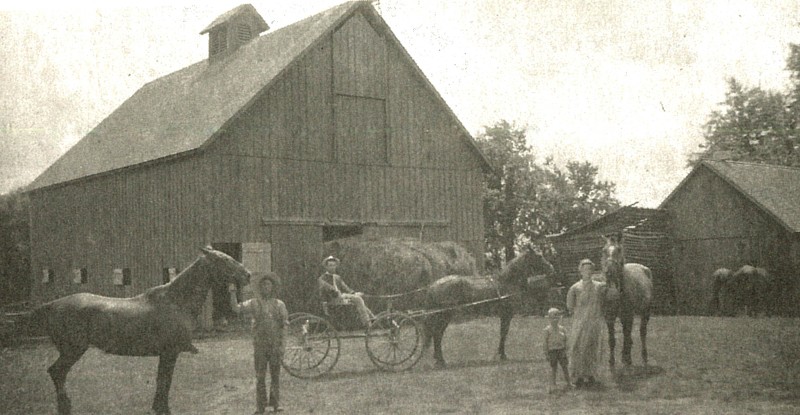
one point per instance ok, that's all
(270, 320)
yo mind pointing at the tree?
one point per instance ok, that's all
(757, 125)
(15, 266)
(510, 188)
(573, 197)
(525, 201)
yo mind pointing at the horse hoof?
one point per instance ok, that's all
(439, 364)
(64, 406)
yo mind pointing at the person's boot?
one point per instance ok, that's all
(274, 395)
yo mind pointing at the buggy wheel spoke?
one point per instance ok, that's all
(396, 347)
(315, 346)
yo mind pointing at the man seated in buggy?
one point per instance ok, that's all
(333, 290)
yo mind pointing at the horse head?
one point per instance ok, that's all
(225, 268)
(529, 270)
(613, 259)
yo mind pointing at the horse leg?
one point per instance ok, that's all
(643, 335)
(166, 366)
(505, 324)
(627, 341)
(58, 373)
(612, 341)
(438, 329)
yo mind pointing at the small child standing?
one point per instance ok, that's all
(269, 325)
(555, 347)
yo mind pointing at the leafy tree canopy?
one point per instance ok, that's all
(526, 200)
(757, 125)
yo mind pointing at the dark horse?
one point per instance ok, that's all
(749, 288)
(158, 322)
(455, 290)
(629, 293)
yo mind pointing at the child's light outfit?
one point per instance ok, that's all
(556, 345)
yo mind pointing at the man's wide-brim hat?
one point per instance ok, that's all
(329, 259)
(553, 312)
(586, 261)
(257, 277)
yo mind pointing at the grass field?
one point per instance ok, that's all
(698, 365)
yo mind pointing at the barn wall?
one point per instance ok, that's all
(716, 226)
(309, 151)
(275, 175)
(145, 219)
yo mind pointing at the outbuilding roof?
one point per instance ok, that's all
(774, 189)
(184, 111)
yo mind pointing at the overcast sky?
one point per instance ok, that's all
(624, 84)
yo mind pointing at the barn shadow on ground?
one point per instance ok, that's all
(629, 378)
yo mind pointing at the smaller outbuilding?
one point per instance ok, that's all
(727, 214)
(646, 239)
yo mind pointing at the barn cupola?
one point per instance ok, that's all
(232, 29)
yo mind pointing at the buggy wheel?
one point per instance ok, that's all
(393, 341)
(312, 346)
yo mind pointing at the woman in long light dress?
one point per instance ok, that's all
(584, 301)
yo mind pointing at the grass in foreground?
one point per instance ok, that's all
(697, 365)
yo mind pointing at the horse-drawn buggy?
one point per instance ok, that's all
(393, 339)
(397, 337)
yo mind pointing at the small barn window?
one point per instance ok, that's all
(168, 274)
(80, 276)
(122, 276)
(48, 275)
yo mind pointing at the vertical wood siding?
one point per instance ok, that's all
(287, 157)
(715, 226)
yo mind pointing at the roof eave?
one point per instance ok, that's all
(143, 164)
(747, 196)
(731, 183)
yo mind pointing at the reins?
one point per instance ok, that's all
(391, 296)
(494, 281)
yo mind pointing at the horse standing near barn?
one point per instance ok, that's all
(749, 289)
(158, 322)
(629, 293)
(527, 273)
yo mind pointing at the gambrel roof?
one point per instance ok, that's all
(773, 189)
(185, 111)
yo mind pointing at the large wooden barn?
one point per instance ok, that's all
(728, 214)
(267, 148)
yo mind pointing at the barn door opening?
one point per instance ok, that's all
(334, 232)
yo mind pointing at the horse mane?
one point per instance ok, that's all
(515, 271)
(189, 287)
